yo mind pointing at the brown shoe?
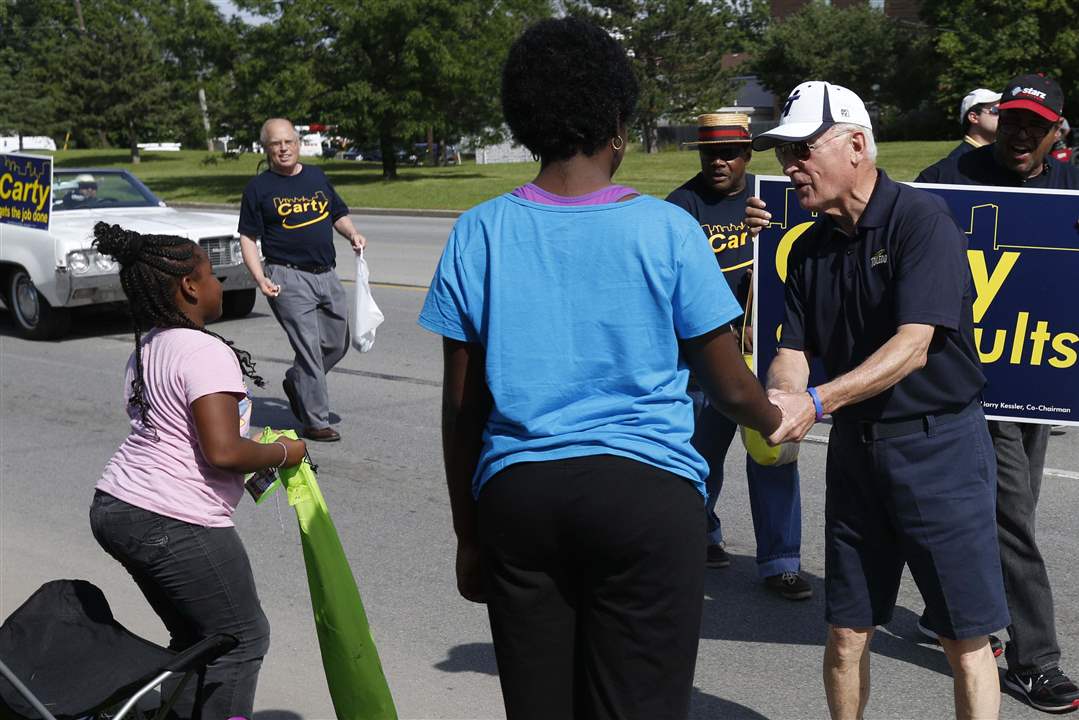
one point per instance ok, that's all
(293, 398)
(326, 434)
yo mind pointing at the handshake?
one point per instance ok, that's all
(799, 414)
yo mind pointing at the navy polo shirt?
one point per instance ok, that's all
(294, 216)
(979, 167)
(847, 295)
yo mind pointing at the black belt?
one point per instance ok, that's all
(314, 269)
(868, 431)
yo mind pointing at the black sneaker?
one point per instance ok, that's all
(716, 557)
(789, 585)
(995, 643)
(1050, 690)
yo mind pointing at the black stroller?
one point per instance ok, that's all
(63, 655)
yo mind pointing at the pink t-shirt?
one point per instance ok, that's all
(164, 471)
(611, 193)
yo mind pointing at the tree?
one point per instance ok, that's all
(885, 62)
(677, 49)
(119, 75)
(388, 69)
(31, 102)
(985, 43)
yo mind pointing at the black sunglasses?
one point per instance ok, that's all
(724, 152)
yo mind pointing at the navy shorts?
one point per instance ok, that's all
(928, 499)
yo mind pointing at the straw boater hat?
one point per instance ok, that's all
(722, 127)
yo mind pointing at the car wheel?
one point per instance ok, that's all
(238, 303)
(35, 318)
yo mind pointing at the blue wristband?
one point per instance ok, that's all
(816, 402)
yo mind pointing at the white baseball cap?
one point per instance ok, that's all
(980, 96)
(812, 108)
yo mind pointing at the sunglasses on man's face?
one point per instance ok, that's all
(1012, 123)
(801, 150)
(726, 153)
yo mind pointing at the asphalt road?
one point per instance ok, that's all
(61, 418)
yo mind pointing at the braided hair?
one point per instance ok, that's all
(151, 267)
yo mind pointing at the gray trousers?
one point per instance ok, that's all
(1020, 450)
(313, 310)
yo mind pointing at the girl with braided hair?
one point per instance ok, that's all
(163, 506)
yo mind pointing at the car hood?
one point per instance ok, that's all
(74, 229)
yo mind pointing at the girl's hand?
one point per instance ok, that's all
(297, 449)
(470, 571)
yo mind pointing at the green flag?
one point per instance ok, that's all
(353, 671)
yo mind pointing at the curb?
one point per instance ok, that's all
(404, 212)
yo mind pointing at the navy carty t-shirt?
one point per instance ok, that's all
(721, 218)
(846, 296)
(979, 167)
(294, 216)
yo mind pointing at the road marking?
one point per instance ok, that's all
(361, 373)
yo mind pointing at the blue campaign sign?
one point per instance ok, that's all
(25, 190)
(1024, 256)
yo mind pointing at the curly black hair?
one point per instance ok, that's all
(151, 267)
(566, 87)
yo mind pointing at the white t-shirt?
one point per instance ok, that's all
(162, 469)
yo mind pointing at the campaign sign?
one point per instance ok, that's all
(1023, 249)
(25, 190)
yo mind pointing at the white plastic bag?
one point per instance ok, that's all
(367, 317)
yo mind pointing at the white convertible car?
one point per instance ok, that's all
(45, 274)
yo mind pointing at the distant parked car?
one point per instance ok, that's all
(353, 153)
(46, 273)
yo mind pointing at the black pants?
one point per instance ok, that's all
(1020, 450)
(198, 580)
(595, 583)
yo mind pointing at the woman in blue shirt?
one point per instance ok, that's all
(572, 311)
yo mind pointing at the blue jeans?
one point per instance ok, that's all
(775, 499)
(199, 582)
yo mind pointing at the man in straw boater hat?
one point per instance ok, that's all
(716, 197)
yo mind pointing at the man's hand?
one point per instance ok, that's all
(268, 288)
(757, 218)
(470, 571)
(359, 242)
(799, 415)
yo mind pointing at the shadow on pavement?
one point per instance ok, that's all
(703, 706)
(470, 657)
(276, 715)
(737, 607)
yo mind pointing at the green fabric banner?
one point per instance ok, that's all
(353, 671)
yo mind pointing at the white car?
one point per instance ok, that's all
(46, 273)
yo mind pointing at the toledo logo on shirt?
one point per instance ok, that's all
(296, 212)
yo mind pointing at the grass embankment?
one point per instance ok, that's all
(186, 176)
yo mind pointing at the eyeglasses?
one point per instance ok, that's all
(992, 110)
(725, 153)
(801, 150)
(1010, 124)
(274, 144)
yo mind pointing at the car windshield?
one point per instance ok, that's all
(77, 190)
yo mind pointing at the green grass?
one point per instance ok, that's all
(187, 177)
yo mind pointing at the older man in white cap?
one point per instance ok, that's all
(879, 289)
(978, 116)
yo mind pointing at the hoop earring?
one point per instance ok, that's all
(618, 143)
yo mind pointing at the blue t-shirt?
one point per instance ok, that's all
(294, 216)
(580, 310)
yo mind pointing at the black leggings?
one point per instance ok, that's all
(595, 578)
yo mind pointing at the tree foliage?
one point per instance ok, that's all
(984, 43)
(677, 49)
